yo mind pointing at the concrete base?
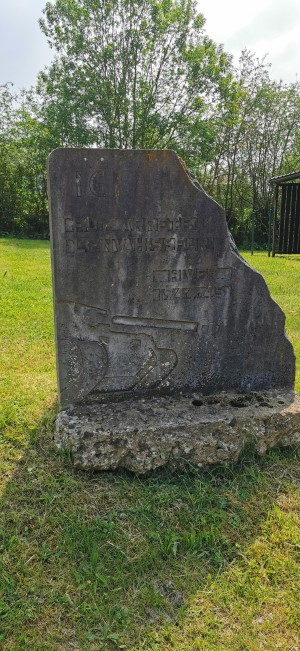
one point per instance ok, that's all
(141, 435)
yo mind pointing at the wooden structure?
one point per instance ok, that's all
(286, 229)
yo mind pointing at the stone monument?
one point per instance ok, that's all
(169, 346)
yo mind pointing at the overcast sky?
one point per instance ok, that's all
(267, 27)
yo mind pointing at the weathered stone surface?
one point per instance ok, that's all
(141, 435)
(154, 303)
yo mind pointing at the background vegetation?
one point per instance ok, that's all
(144, 74)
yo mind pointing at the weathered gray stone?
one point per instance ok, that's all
(141, 435)
(151, 298)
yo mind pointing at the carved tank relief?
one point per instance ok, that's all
(106, 354)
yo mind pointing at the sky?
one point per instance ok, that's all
(266, 27)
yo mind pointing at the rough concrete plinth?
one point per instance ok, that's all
(141, 435)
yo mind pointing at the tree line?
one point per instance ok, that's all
(144, 74)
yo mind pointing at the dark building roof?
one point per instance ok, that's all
(285, 178)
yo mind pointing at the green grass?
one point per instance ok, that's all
(282, 275)
(27, 370)
(176, 561)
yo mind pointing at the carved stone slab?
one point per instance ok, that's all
(151, 296)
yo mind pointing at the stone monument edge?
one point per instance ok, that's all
(56, 155)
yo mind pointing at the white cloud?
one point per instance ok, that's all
(265, 27)
(23, 48)
(268, 23)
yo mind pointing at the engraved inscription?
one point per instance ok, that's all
(135, 244)
(203, 283)
(156, 224)
(97, 183)
(158, 234)
(220, 276)
(186, 293)
(95, 225)
(70, 246)
(69, 225)
(78, 184)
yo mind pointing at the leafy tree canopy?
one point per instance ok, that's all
(130, 73)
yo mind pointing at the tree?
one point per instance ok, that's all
(143, 74)
(130, 73)
(24, 146)
(9, 166)
(256, 136)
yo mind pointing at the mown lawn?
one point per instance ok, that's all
(176, 561)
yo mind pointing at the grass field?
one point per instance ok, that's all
(176, 561)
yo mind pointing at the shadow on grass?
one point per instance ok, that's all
(101, 561)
